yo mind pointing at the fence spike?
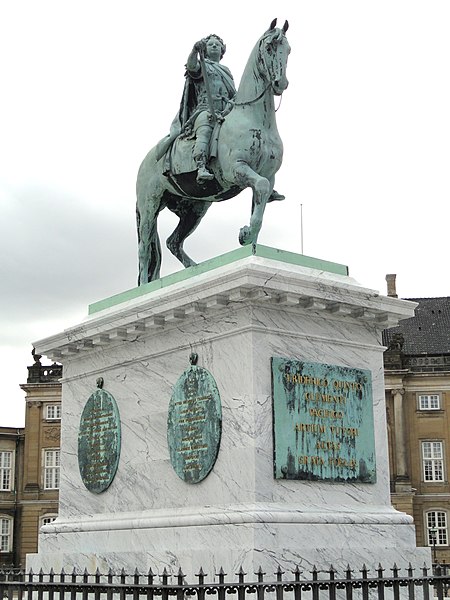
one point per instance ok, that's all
(221, 571)
(201, 576)
(165, 576)
(297, 573)
(241, 571)
(180, 572)
(279, 573)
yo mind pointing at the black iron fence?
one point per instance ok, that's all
(381, 584)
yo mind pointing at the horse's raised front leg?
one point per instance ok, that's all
(190, 213)
(245, 176)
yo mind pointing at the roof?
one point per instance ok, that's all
(428, 332)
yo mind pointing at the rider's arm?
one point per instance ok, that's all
(193, 64)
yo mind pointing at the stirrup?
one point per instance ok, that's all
(204, 175)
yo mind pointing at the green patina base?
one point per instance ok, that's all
(216, 262)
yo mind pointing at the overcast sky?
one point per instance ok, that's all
(89, 86)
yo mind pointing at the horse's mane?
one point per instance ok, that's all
(252, 62)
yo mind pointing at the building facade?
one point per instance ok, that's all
(29, 466)
(417, 384)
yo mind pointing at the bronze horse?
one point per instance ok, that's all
(249, 153)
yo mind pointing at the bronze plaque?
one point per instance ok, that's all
(99, 441)
(194, 424)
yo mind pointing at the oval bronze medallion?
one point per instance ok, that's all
(99, 441)
(194, 424)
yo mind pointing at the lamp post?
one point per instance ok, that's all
(433, 533)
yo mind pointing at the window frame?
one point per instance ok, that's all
(431, 463)
(9, 470)
(50, 471)
(51, 516)
(439, 543)
(8, 536)
(429, 408)
(52, 405)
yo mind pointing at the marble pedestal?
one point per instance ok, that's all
(235, 317)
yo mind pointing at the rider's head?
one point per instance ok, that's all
(212, 41)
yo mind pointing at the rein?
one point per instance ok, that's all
(254, 99)
(249, 102)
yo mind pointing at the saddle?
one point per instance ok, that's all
(181, 169)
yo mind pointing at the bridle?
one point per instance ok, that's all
(267, 70)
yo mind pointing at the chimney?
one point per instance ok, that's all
(391, 289)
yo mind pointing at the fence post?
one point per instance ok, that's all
(164, 577)
(438, 580)
(348, 583)
(425, 583)
(411, 591)
(315, 585)
(123, 581)
(201, 581)
(279, 590)
(332, 588)
(241, 587)
(260, 587)
(180, 578)
(136, 578)
(110, 577)
(395, 584)
(380, 582)
(221, 589)
(150, 576)
(365, 584)
(297, 587)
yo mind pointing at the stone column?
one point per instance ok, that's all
(400, 440)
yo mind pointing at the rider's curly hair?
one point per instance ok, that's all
(222, 43)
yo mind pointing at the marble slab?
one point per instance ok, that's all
(236, 319)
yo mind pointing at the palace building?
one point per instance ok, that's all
(29, 466)
(417, 387)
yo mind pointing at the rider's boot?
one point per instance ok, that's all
(202, 172)
(203, 136)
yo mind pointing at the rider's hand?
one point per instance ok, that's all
(199, 46)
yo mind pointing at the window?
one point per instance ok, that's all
(437, 528)
(51, 469)
(47, 519)
(53, 412)
(5, 534)
(5, 470)
(433, 463)
(429, 402)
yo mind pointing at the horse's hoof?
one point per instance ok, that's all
(244, 236)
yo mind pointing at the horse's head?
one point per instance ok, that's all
(274, 50)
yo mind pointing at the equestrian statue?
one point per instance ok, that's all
(220, 142)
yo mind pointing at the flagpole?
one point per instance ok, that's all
(301, 227)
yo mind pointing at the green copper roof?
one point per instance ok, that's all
(216, 262)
